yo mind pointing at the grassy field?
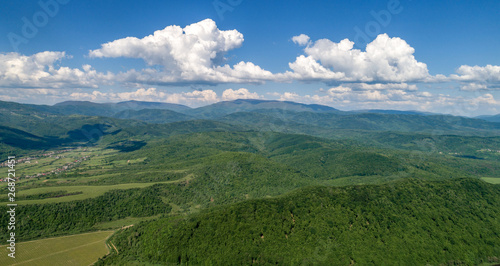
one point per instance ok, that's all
(87, 191)
(82, 249)
(124, 222)
(492, 180)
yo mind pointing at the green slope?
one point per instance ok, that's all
(412, 222)
(292, 120)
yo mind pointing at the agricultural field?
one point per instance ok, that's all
(57, 194)
(81, 249)
(492, 180)
(80, 183)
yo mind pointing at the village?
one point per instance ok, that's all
(56, 155)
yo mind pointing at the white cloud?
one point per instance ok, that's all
(33, 95)
(475, 78)
(41, 71)
(187, 49)
(301, 39)
(230, 94)
(193, 54)
(339, 89)
(473, 87)
(386, 86)
(487, 99)
(488, 73)
(346, 98)
(385, 60)
(193, 98)
(308, 69)
(348, 95)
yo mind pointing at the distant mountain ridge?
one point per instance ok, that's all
(278, 116)
(245, 105)
(490, 118)
(109, 109)
(398, 112)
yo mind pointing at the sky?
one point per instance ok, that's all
(432, 56)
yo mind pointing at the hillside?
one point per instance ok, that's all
(490, 118)
(435, 124)
(408, 222)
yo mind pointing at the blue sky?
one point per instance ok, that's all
(437, 56)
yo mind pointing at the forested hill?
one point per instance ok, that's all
(409, 222)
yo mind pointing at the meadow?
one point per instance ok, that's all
(81, 249)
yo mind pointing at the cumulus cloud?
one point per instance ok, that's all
(488, 73)
(192, 98)
(193, 54)
(34, 95)
(41, 71)
(385, 60)
(386, 86)
(301, 39)
(475, 78)
(346, 98)
(230, 94)
(308, 69)
(473, 86)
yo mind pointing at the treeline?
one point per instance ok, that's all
(409, 222)
(44, 220)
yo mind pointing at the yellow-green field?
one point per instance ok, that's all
(87, 191)
(82, 249)
(492, 180)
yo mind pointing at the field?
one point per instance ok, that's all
(492, 180)
(84, 192)
(82, 249)
(65, 189)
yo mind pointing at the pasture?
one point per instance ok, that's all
(81, 249)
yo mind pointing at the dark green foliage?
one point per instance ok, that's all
(290, 120)
(411, 222)
(35, 221)
(158, 131)
(232, 177)
(127, 146)
(17, 142)
(53, 194)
